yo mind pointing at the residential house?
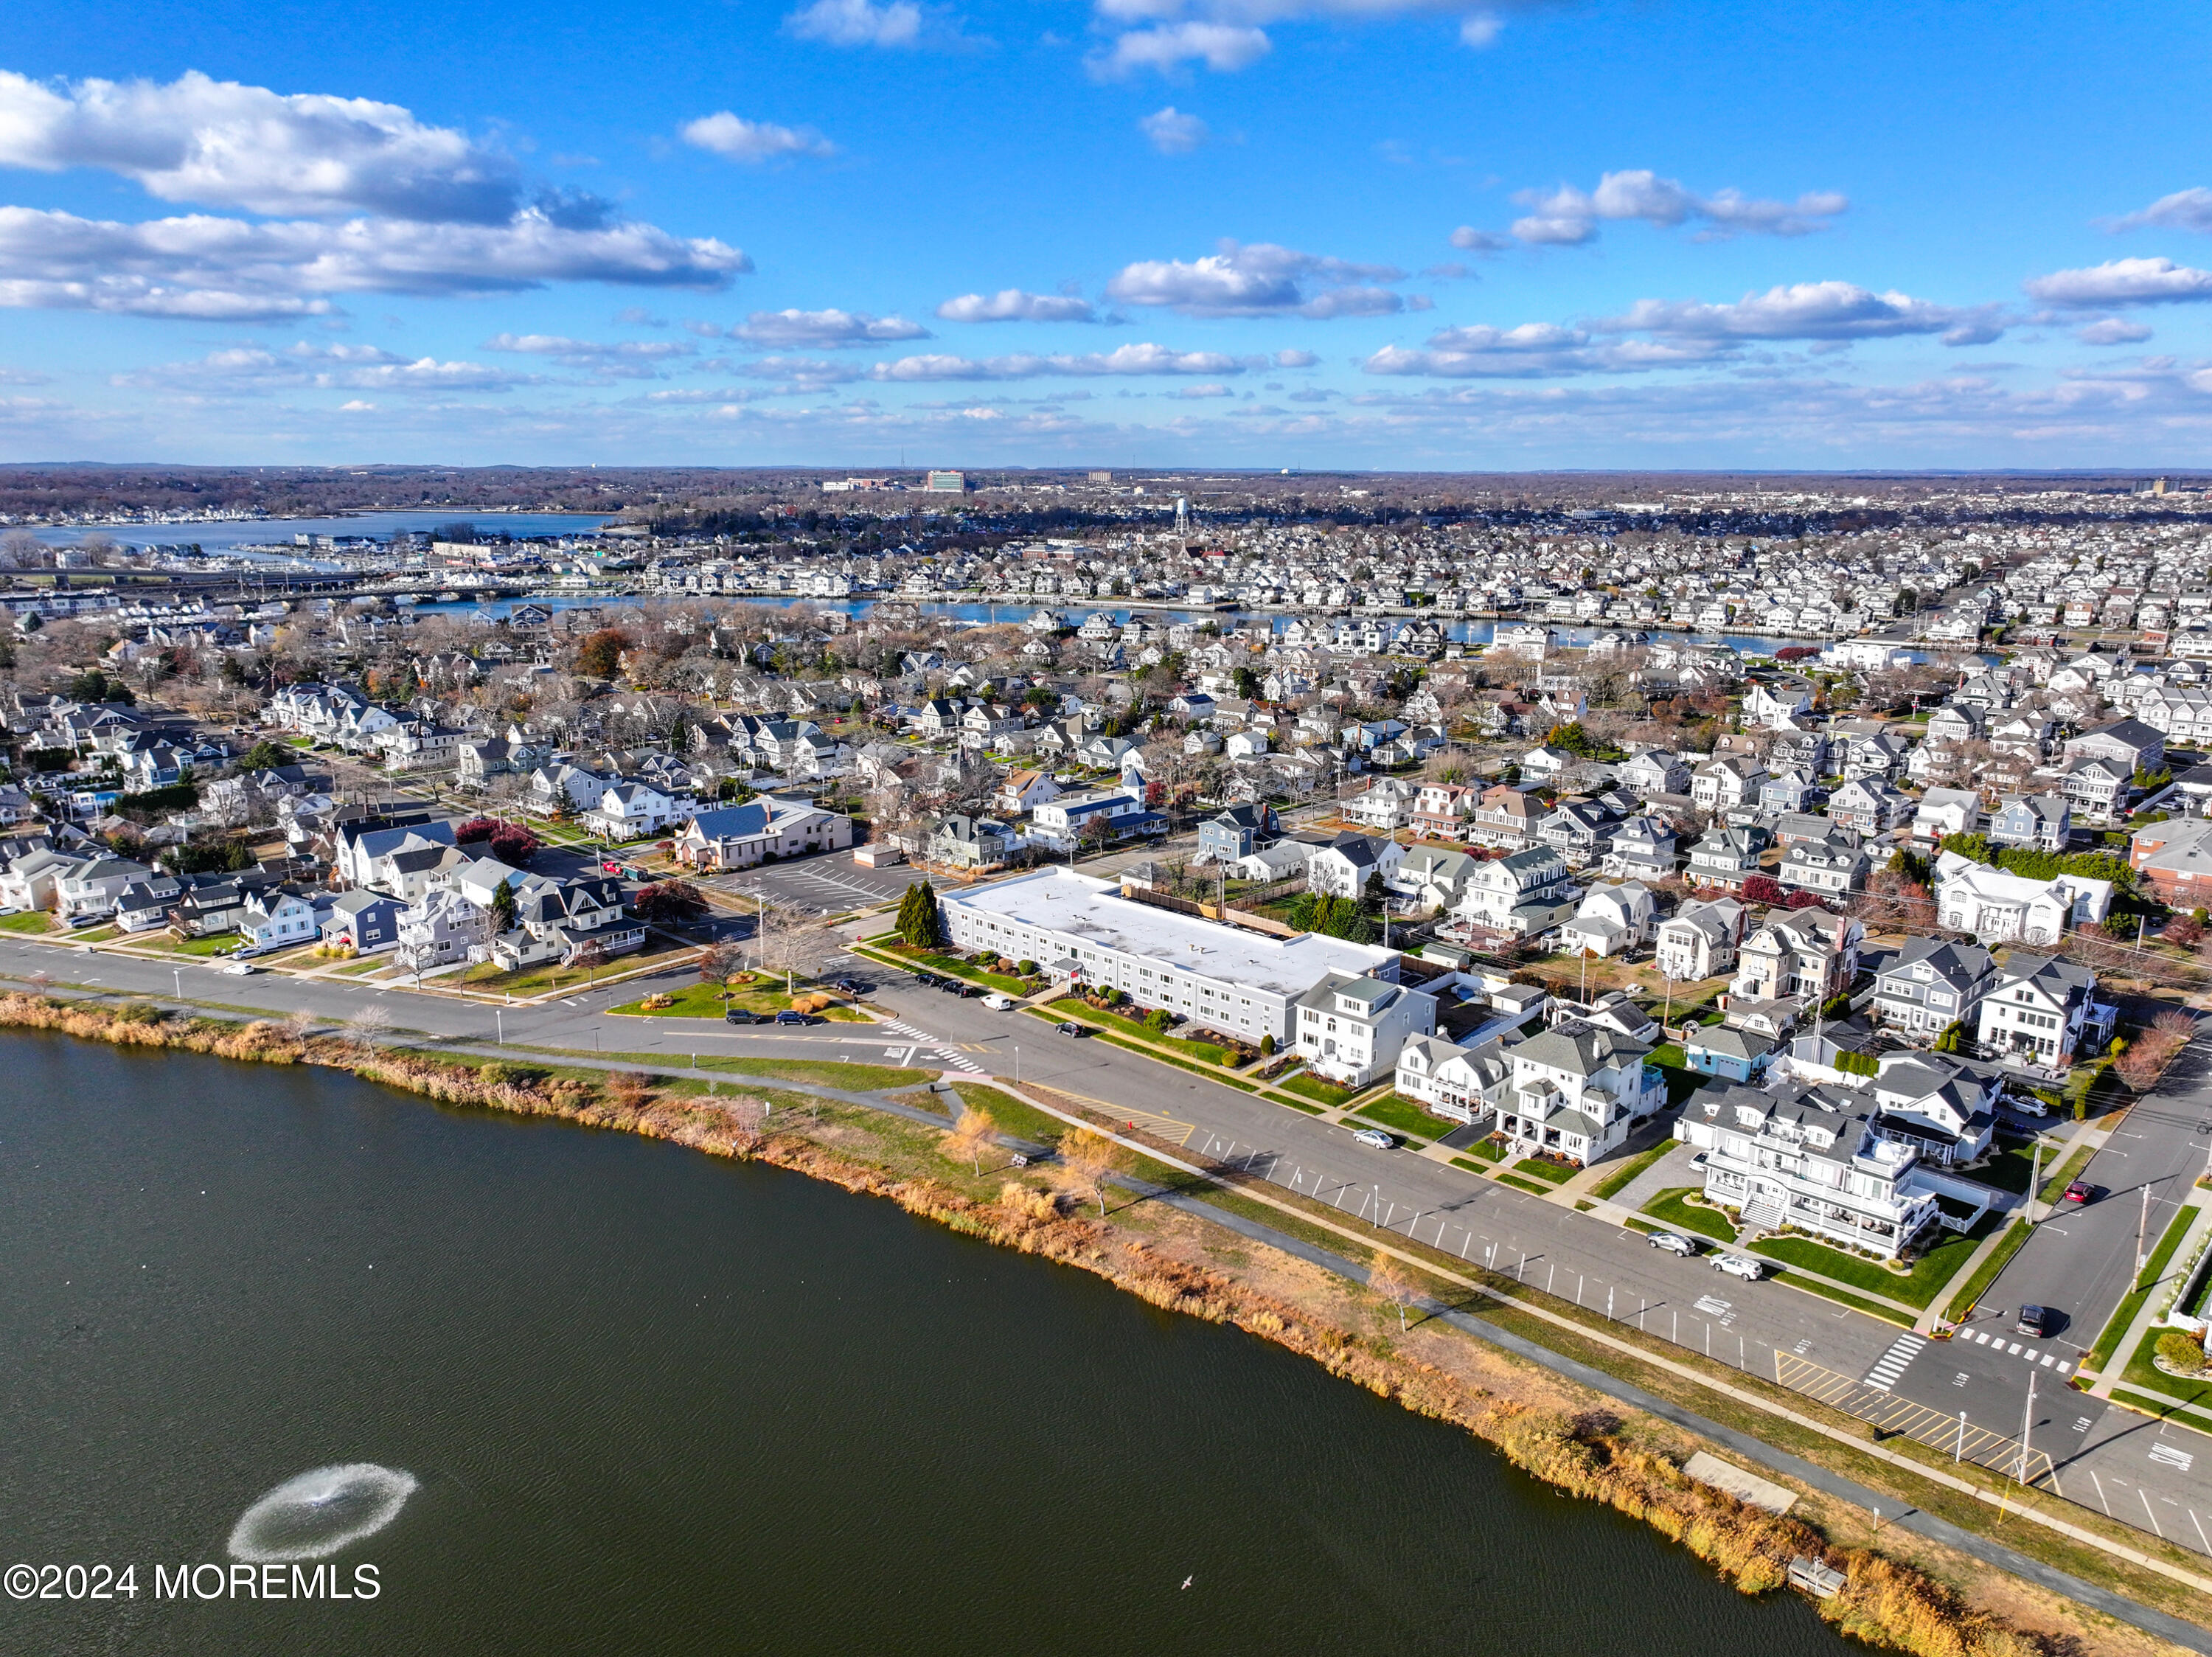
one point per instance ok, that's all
(1385, 804)
(1867, 804)
(628, 810)
(273, 918)
(1642, 849)
(2129, 743)
(1236, 832)
(2042, 1012)
(1528, 894)
(1699, 940)
(1578, 831)
(2000, 907)
(1351, 1029)
(1459, 1083)
(2044, 822)
(1343, 866)
(1654, 771)
(1945, 812)
(1062, 823)
(1610, 920)
(92, 886)
(768, 826)
(1731, 1054)
(2101, 791)
(2175, 861)
(1441, 810)
(364, 922)
(1725, 783)
(1832, 868)
(439, 929)
(1022, 792)
(1804, 954)
(1725, 857)
(558, 920)
(1809, 1157)
(964, 842)
(143, 906)
(1434, 876)
(1930, 985)
(1577, 1091)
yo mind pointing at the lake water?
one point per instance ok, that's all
(653, 1403)
(280, 531)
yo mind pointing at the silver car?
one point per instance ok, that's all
(1739, 1265)
(1674, 1243)
(1375, 1137)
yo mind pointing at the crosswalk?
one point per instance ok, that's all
(1890, 1364)
(2016, 1349)
(950, 1055)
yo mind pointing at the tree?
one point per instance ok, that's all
(1086, 1159)
(917, 922)
(265, 755)
(1390, 1282)
(669, 902)
(476, 829)
(719, 963)
(600, 654)
(515, 844)
(503, 908)
(367, 1027)
(590, 957)
(1763, 889)
(975, 1132)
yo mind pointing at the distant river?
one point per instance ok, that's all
(654, 1403)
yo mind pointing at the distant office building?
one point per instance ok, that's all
(947, 483)
(1102, 477)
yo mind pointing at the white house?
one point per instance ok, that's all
(1460, 1084)
(1999, 907)
(1699, 940)
(1576, 1090)
(1529, 893)
(2041, 1011)
(273, 918)
(1341, 869)
(1350, 1029)
(1611, 919)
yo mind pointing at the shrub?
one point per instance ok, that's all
(1267, 1047)
(2180, 1350)
(1156, 1021)
(1027, 969)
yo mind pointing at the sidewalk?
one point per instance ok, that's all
(2145, 1324)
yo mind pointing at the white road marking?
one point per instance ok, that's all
(1887, 1367)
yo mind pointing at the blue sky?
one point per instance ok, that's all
(1114, 233)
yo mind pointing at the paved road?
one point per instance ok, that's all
(2129, 1461)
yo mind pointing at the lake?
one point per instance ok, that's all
(655, 1403)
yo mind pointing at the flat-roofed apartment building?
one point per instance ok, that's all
(1231, 979)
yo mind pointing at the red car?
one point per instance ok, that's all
(2079, 1192)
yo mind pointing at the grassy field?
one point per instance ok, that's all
(705, 1000)
(827, 1072)
(1620, 1178)
(2144, 1377)
(1402, 1116)
(1205, 1052)
(925, 960)
(1518, 1184)
(1011, 1115)
(1669, 1208)
(168, 943)
(551, 975)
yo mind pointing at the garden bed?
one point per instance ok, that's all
(1917, 1286)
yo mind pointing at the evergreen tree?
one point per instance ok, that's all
(503, 908)
(925, 918)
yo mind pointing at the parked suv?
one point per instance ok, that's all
(1674, 1243)
(1739, 1265)
(739, 1015)
(792, 1016)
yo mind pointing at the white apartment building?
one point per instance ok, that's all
(1350, 1028)
(1226, 978)
(1998, 907)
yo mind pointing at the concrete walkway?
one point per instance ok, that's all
(2145, 1325)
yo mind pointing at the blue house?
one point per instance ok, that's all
(366, 921)
(1237, 832)
(1737, 1055)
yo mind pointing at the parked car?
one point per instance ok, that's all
(2029, 1105)
(997, 1003)
(1739, 1265)
(1377, 1137)
(1674, 1243)
(2080, 1191)
(854, 986)
(739, 1015)
(2033, 1321)
(1070, 1027)
(792, 1016)
(927, 980)
(963, 990)
(240, 969)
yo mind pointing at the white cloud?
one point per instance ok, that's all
(802, 373)
(2185, 209)
(1296, 359)
(1567, 217)
(641, 359)
(1210, 389)
(223, 269)
(2111, 331)
(1470, 240)
(228, 145)
(1172, 132)
(1013, 305)
(2122, 281)
(858, 23)
(1479, 29)
(356, 407)
(1806, 310)
(251, 369)
(1126, 360)
(736, 139)
(1260, 279)
(820, 328)
(1223, 48)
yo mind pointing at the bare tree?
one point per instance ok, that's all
(1392, 1284)
(721, 962)
(299, 1023)
(365, 1028)
(590, 957)
(975, 1132)
(1086, 1159)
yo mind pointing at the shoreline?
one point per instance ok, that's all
(1583, 1452)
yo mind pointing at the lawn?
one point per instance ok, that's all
(704, 1001)
(1552, 1173)
(198, 948)
(925, 960)
(1918, 1286)
(827, 1072)
(551, 975)
(1621, 1177)
(2011, 1168)
(1669, 1208)
(2145, 1285)
(1529, 1185)
(1205, 1052)
(31, 920)
(1986, 1273)
(1312, 1086)
(1011, 1115)
(2143, 1376)
(1405, 1117)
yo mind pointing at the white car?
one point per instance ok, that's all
(1375, 1137)
(240, 969)
(2029, 1105)
(999, 1003)
(1674, 1243)
(1739, 1265)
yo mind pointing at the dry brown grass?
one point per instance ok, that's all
(1588, 1453)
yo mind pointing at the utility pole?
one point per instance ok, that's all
(2026, 1427)
(2142, 1231)
(2034, 1177)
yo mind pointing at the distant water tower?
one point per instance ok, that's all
(1182, 514)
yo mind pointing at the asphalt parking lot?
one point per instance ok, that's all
(828, 884)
